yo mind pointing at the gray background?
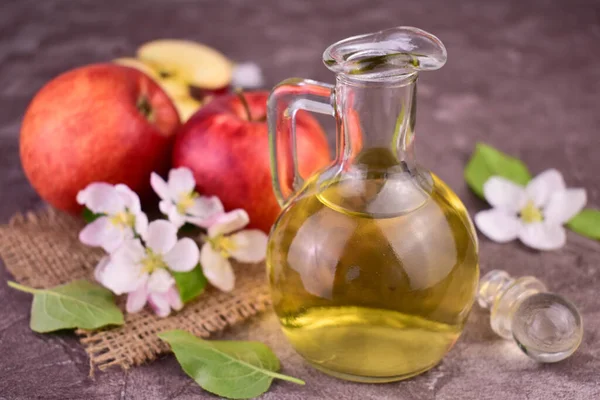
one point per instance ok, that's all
(523, 76)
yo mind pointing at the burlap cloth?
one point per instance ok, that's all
(42, 250)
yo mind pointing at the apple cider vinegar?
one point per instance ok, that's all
(373, 280)
(373, 262)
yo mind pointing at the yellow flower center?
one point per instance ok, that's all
(530, 213)
(186, 201)
(222, 244)
(124, 219)
(152, 262)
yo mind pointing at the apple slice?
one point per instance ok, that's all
(186, 107)
(173, 86)
(191, 62)
(137, 64)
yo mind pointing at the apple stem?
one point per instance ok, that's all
(244, 102)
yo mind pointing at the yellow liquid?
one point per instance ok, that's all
(356, 342)
(373, 279)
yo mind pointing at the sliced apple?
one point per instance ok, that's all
(194, 63)
(186, 107)
(173, 86)
(137, 64)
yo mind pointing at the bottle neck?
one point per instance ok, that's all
(376, 121)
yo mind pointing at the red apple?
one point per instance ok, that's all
(202, 94)
(226, 147)
(98, 123)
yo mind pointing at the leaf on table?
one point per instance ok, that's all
(486, 162)
(190, 284)
(78, 304)
(586, 223)
(232, 369)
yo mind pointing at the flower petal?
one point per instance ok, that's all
(102, 233)
(141, 224)
(160, 304)
(130, 198)
(160, 281)
(247, 75)
(101, 198)
(99, 270)
(202, 222)
(161, 236)
(130, 253)
(165, 206)
(174, 299)
(542, 186)
(183, 256)
(160, 187)
(229, 222)
(136, 300)
(504, 194)
(250, 246)
(123, 278)
(217, 269)
(564, 205)
(206, 207)
(175, 217)
(543, 235)
(181, 181)
(498, 225)
(84, 194)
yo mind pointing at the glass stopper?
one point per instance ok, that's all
(546, 326)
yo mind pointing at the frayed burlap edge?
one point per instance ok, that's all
(41, 249)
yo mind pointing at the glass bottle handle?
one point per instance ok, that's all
(285, 101)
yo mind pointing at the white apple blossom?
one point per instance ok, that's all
(534, 214)
(121, 215)
(221, 243)
(143, 271)
(180, 203)
(247, 75)
(159, 291)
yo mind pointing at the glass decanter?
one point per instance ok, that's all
(373, 262)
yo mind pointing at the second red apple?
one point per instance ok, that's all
(226, 146)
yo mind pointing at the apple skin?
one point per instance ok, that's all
(201, 93)
(229, 154)
(85, 126)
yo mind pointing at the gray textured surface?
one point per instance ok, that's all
(523, 76)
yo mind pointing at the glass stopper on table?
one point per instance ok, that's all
(546, 326)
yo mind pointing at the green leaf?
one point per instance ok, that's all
(78, 304)
(236, 370)
(487, 161)
(89, 216)
(586, 223)
(190, 284)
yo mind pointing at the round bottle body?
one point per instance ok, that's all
(372, 279)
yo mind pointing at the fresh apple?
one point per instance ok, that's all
(98, 123)
(207, 94)
(226, 146)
